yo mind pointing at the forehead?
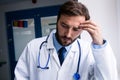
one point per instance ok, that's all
(72, 19)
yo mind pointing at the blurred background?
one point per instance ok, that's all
(23, 20)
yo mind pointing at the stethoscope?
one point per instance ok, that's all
(76, 75)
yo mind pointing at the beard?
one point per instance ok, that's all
(64, 40)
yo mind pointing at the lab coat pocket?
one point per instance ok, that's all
(43, 74)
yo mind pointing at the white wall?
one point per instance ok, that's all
(118, 17)
(104, 12)
(4, 70)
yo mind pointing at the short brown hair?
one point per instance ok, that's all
(73, 8)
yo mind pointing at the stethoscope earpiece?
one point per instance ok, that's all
(43, 67)
(47, 67)
(38, 66)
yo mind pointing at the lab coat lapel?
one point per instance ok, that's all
(56, 59)
(50, 45)
(69, 66)
(71, 55)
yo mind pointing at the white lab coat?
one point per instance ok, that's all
(95, 64)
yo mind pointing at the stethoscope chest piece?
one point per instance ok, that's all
(76, 76)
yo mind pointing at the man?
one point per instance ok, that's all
(43, 58)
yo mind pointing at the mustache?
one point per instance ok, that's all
(65, 37)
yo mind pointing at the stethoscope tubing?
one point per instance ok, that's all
(79, 56)
(76, 75)
(46, 66)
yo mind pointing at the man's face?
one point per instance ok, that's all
(68, 29)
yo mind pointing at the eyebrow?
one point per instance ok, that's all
(69, 25)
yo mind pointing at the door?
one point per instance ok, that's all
(23, 26)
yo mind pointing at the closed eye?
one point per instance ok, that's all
(64, 25)
(68, 26)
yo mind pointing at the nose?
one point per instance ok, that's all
(68, 33)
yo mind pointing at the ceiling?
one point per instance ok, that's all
(9, 1)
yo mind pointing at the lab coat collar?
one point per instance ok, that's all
(74, 45)
(50, 44)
